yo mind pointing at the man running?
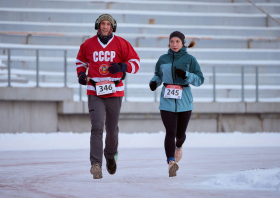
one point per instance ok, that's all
(107, 58)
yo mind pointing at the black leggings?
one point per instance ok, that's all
(176, 126)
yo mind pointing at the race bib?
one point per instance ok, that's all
(105, 87)
(173, 91)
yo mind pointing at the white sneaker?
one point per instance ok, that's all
(172, 168)
(178, 154)
(96, 171)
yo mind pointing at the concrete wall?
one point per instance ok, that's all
(52, 110)
(31, 109)
(28, 116)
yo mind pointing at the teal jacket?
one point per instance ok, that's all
(165, 72)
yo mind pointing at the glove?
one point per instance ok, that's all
(82, 78)
(180, 73)
(153, 85)
(117, 67)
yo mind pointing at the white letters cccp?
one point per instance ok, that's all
(107, 56)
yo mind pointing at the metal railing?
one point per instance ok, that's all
(37, 64)
(214, 82)
(267, 15)
(241, 80)
(242, 72)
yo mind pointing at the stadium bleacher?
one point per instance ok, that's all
(232, 36)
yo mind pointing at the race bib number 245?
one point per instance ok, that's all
(173, 91)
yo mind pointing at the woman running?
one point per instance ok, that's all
(176, 69)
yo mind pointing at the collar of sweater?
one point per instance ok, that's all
(178, 54)
(104, 39)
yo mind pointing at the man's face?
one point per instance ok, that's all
(105, 27)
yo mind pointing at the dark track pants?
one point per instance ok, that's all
(98, 107)
(176, 126)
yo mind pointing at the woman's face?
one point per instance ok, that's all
(175, 44)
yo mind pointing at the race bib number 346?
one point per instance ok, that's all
(173, 91)
(105, 87)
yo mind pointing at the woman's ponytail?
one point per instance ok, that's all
(192, 44)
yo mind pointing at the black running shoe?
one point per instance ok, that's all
(111, 166)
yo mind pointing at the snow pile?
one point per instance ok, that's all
(261, 179)
(69, 140)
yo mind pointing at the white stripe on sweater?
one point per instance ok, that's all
(135, 60)
(99, 79)
(82, 66)
(133, 67)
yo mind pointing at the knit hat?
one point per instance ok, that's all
(179, 35)
(107, 17)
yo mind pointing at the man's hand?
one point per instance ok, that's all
(117, 67)
(180, 73)
(82, 78)
(153, 85)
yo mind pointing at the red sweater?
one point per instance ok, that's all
(96, 57)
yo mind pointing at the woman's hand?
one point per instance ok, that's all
(153, 85)
(180, 73)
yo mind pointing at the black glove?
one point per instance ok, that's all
(180, 73)
(117, 67)
(82, 78)
(153, 85)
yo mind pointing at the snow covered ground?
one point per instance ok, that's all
(213, 165)
(62, 140)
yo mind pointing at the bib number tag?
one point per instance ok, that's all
(105, 87)
(173, 91)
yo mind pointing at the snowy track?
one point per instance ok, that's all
(213, 165)
(141, 172)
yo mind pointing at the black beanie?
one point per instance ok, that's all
(179, 35)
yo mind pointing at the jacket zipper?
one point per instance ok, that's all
(174, 83)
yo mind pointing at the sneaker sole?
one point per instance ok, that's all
(97, 174)
(173, 170)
